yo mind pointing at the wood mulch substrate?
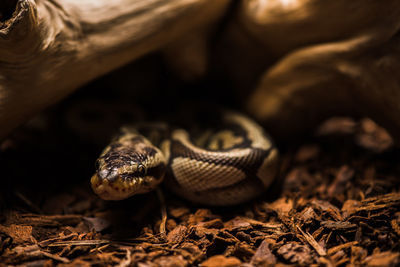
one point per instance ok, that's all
(336, 203)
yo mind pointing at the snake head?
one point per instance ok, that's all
(129, 165)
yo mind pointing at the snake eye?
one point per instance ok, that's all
(141, 170)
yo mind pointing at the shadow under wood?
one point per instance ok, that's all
(7, 8)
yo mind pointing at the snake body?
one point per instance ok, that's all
(227, 167)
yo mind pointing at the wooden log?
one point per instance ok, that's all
(50, 48)
(320, 58)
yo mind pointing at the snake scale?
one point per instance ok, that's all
(227, 166)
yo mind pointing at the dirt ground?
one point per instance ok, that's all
(336, 202)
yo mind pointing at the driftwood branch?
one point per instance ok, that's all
(297, 61)
(316, 59)
(48, 48)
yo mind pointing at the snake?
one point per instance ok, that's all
(231, 164)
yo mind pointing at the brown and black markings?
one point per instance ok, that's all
(231, 165)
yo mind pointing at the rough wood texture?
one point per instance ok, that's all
(49, 48)
(297, 61)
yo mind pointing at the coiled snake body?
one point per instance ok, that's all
(227, 167)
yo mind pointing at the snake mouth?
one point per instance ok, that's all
(120, 188)
(115, 190)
